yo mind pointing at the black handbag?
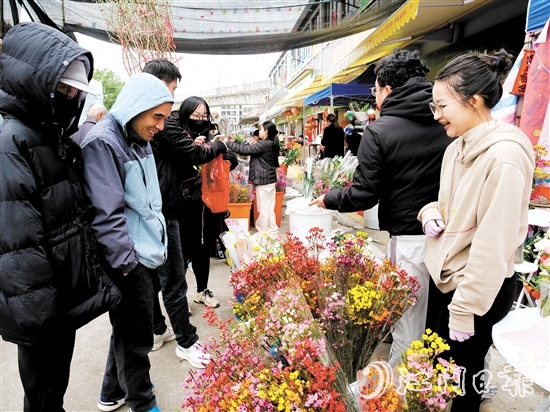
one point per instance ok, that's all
(190, 189)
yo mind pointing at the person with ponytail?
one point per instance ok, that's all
(480, 217)
(263, 165)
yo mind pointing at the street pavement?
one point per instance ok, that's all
(168, 372)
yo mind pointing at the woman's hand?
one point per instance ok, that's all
(459, 336)
(199, 140)
(433, 228)
(319, 202)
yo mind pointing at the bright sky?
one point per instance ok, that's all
(199, 71)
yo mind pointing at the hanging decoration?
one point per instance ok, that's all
(295, 111)
(143, 29)
(521, 79)
(537, 93)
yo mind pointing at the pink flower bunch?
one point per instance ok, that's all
(276, 361)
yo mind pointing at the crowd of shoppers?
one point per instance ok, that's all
(115, 215)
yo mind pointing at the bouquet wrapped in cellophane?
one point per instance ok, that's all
(319, 176)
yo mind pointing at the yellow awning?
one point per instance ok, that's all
(410, 22)
(297, 98)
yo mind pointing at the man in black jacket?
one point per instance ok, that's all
(400, 158)
(50, 279)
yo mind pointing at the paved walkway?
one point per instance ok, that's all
(168, 372)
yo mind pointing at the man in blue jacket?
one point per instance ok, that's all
(122, 183)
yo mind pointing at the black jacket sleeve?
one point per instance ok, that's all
(181, 145)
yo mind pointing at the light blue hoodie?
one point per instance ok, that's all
(121, 180)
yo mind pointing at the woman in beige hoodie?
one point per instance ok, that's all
(480, 217)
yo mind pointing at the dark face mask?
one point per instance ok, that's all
(65, 110)
(199, 126)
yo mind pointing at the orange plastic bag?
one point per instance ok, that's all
(215, 184)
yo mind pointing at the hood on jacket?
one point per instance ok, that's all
(140, 93)
(33, 59)
(474, 143)
(410, 101)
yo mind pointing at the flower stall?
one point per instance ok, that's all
(307, 320)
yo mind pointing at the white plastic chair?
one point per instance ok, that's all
(540, 218)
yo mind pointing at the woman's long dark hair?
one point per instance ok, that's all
(272, 135)
(188, 106)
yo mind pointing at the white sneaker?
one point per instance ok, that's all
(108, 406)
(206, 297)
(167, 336)
(196, 355)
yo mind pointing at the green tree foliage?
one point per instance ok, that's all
(112, 84)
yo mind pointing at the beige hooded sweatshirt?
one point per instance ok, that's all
(486, 180)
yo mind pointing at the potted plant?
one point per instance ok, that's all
(364, 112)
(291, 157)
(240, 201)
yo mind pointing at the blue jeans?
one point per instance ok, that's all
(174, 291)
(127, 369)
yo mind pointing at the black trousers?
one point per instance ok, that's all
(469, 354)
(44, 370)
(173, 285)
(196, 234)
(127, 370)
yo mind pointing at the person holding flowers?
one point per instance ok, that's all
(480, 217)
(399, 164)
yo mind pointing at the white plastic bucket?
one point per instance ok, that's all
(302, 218)
(371, 218)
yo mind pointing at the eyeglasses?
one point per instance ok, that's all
(438, 108)
(374, 89)
(70, 91)
(195, 116)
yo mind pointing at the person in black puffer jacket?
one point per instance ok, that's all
(400, 157)
(263, 174)
(51, 280)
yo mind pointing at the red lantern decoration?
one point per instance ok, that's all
(296, 111)
(288, 113)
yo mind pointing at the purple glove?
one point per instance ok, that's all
(459, 336)
(434, 227)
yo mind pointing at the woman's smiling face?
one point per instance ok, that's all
(452, 110)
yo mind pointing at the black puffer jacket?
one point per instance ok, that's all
(262, 160)
(400, 158)
(176, 154)
(50, 276)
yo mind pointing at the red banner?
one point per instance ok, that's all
(537, 92)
